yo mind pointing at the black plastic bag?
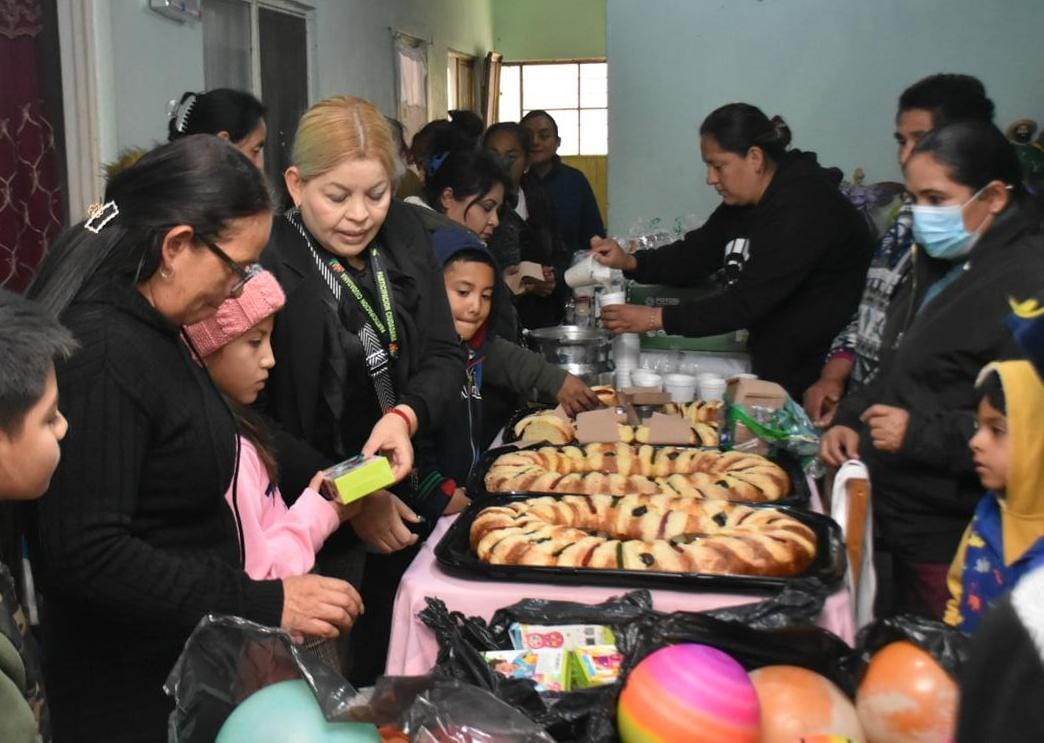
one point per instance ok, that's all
(462, 639)
(947, 645)
(589, 714)
(226, 659)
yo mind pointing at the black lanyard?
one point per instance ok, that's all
(386, 329)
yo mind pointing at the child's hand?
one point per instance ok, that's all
(457, 503)
(381, 522)
(575, 397)
(345, 512)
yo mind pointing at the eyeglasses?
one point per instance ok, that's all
(244, 274)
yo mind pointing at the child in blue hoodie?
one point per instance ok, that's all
(470, 274)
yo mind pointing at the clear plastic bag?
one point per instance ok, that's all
(788, 428)
(226, 659)
(455, 712)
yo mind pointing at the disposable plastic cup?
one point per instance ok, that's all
(681, 387)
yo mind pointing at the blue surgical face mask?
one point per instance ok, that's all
(941, 232)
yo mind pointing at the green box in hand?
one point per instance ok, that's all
(356, 478)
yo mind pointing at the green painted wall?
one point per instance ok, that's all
(549, 29)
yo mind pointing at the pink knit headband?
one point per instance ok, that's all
(262, 296)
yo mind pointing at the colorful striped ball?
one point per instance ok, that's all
(688, 694)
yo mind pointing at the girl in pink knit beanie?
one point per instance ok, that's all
(235, 345)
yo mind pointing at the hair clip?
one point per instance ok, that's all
(183, 111)
(99, 215)
(436, 162)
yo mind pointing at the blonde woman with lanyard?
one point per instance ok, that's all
(368, 355)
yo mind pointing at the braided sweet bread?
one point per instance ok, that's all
(644, 532)
(700, 411)
(622, 469)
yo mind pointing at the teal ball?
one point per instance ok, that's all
(287, 712)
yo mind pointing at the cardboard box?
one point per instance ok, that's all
(751, 393)
(526, 270)
(561, 636)
(598, 426)
(356, 478)
(548, 668)
(643, 396)
(594, 666)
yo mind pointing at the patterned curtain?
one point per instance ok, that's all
(30, 198)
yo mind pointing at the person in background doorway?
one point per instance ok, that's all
(233, 115)
(409, 183)
(576, 209)
(528, 231)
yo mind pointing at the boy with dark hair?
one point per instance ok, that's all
(928, 104)
(31, 428)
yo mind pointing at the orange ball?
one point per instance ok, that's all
(797, 702)
(906, 697)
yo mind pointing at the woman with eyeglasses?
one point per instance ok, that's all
(134, 542)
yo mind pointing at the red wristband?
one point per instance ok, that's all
(402, 414)
(448, 487)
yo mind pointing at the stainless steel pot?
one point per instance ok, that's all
(585, 352)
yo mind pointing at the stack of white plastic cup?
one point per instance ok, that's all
(626, 353)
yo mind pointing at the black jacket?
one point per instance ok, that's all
(794, 267)
(134, 542)
(536, 239)
(430, 368)
(446, 457)
(925, 494)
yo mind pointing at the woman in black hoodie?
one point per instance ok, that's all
(791, 252)
(978, 243)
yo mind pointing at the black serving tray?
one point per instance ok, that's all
(800, 495)
(455, 555)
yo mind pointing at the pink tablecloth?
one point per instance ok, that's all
(413, 648)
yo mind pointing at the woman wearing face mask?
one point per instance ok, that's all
(791, 252)
(978, 242)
